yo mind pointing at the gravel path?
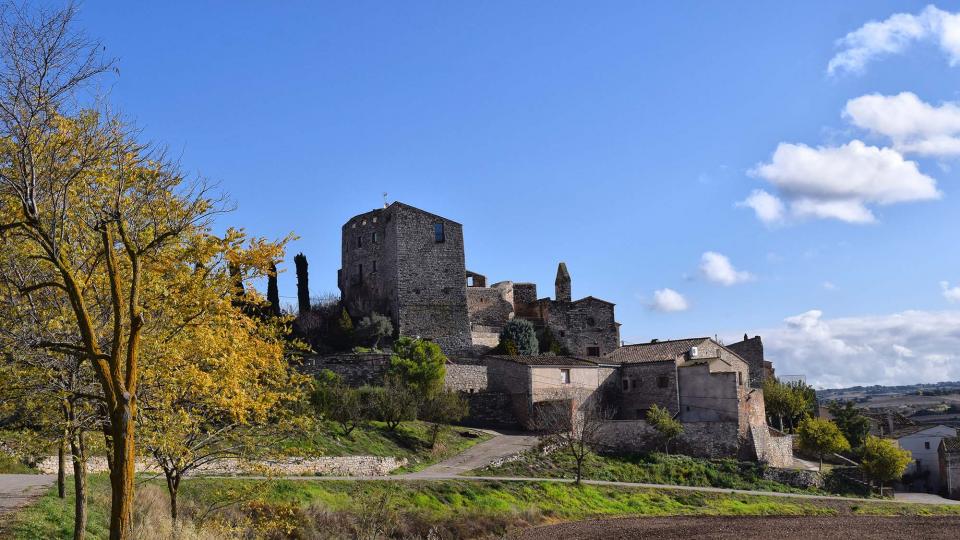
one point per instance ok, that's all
(743, 528)
(503, 444)
(17, 490)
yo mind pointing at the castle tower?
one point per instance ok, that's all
(563, 291)
(407, 264)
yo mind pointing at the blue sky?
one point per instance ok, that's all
(616, 136)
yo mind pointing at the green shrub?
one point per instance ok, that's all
(522, 335)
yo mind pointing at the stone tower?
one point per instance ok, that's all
(407, 264)
(563, 290)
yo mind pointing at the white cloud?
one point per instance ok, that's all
(839, 182)
(895, 35)
(900, 348)
(914, 126)
(769, 208)
(952, 294)
(668, 300)
(717, 268)
(829, 285)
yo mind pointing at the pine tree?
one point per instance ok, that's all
(273, 292)
(303, 288)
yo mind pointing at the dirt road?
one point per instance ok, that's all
(743, 528)
(17, 490)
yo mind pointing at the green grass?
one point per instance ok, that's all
(654, 468)
(410, 440)
(457, 508)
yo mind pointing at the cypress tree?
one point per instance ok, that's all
(303, 288)
(273, 292)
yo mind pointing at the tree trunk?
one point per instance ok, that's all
(173, 486)
(780, 418)
(78, 451)
(122, 470)
(62, 468)
(579, 470)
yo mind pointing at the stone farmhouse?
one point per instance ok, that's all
(408, 264)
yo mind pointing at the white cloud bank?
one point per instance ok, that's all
(717, 268)
(901, 348)
(913, 126)
(668, 301)
(895, 35)
(837, 182)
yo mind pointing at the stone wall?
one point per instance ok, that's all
(950, 464)
(751, 350)
(466, 378)
(357, 369)
(431, 279)
(647, 384)
(707, 396)
(699, 439)
(774, 449)
(797, 478)
(490, 306)
(322, 466)
(491, 409)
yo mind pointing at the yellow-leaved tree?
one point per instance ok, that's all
(106, 225)
(219, 385)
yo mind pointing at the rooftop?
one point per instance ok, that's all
(545, 360)
(657, 351)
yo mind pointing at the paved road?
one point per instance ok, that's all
(16, 490)
(503, 444)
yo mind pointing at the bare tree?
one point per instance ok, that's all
(573, 419)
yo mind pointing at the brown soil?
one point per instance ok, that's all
(743, 528)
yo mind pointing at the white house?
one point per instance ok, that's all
(923, 442)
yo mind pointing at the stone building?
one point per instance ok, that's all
(407, 264)
(585, 327)
(703, 384)
(949, 455)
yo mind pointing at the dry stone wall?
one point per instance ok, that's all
(357, 369)
(322, 466)
(700, 439)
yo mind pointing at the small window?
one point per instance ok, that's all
(626, 384)
(662, 381)
(740, 378)
(360, 241)
(438, 234)
(374, 269)
(360, 273)
(376, 237)
(926, 445)
(564, 376)
(591, 321)
(563, 333)
(593, 351)
(633, 384)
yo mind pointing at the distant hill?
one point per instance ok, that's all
(940, 388)
(925, 403)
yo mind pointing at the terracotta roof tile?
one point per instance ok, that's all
(658, 351)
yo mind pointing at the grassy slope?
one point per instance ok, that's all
(410, 441)
(460, 508)
(653, 468)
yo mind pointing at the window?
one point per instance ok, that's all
(591, 321)
(438, 235)
(563, 333)
(633, 384)
(740, 378)
(662, 381)
(564, 376)
(360, 241)
(926, 445)
(360, 273)
(376, 237)
(593, 351)
(626, 384)
(374, 269)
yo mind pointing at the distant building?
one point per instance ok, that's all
(924, 473)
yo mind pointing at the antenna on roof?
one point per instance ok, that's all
(384, 199)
